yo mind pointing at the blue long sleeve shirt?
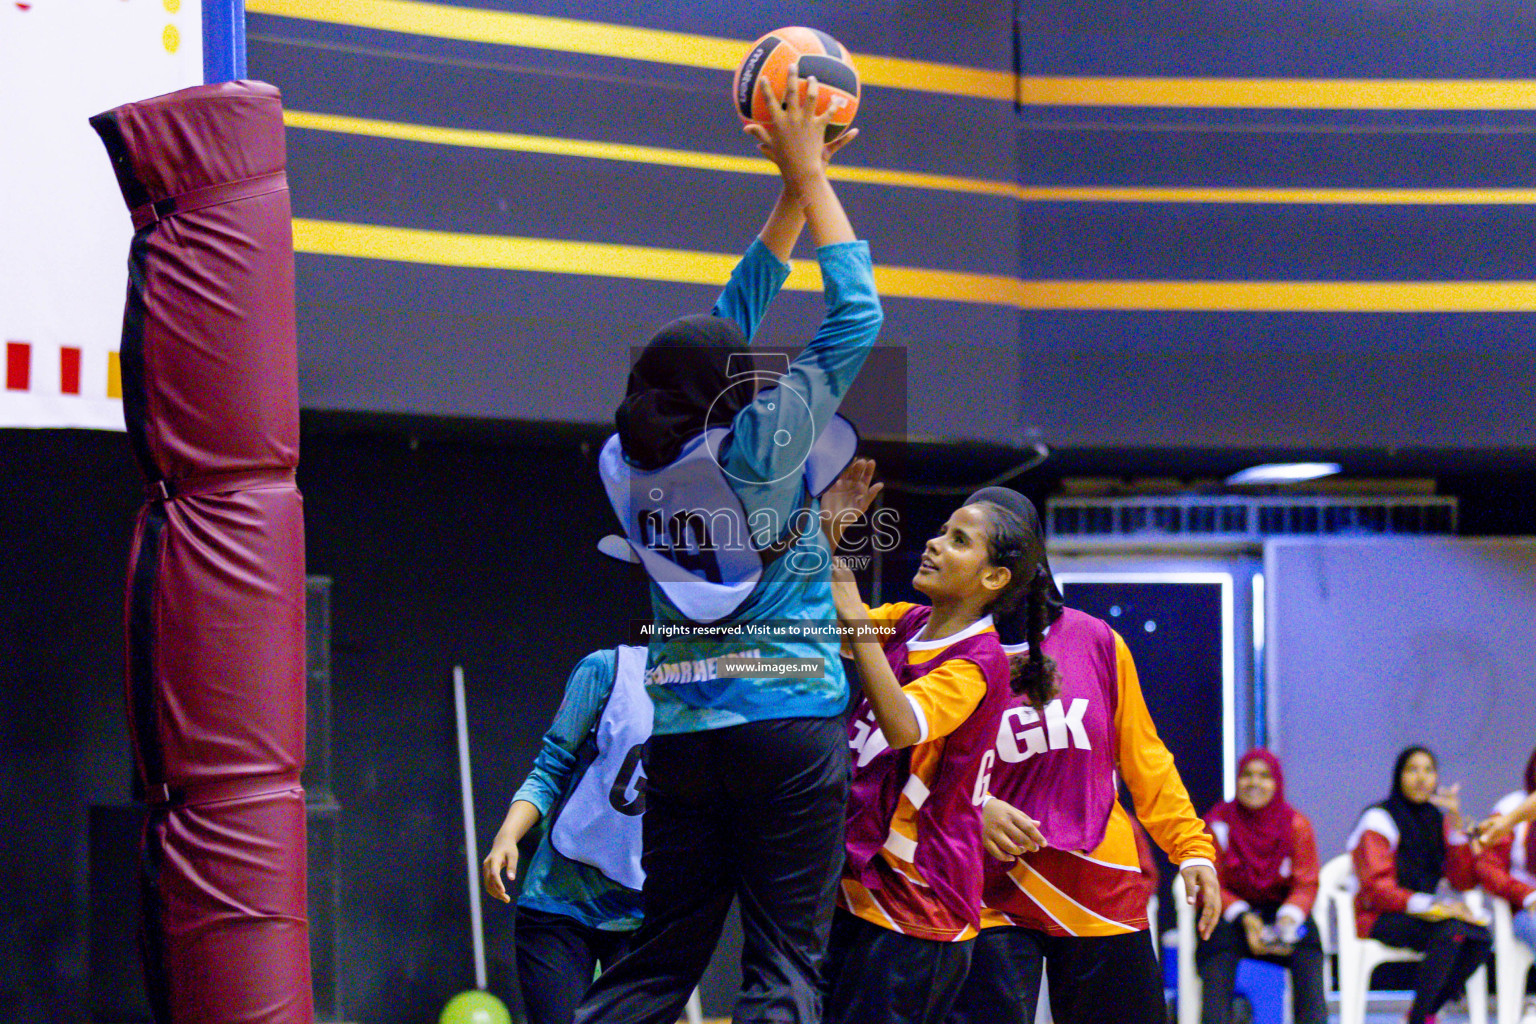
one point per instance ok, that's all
(680, 671)
(552, 883)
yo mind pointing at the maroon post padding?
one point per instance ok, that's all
(215, 604)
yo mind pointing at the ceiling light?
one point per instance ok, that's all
(1284, 472)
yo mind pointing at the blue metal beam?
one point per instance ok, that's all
(223, 40)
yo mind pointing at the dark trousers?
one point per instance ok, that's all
(878, 976)
(1004, 984)
(1217, 959)
(753, 812)
(556, 957)
(1112, 979)
(1452, 950)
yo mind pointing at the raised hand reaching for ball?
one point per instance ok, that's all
(794, 139)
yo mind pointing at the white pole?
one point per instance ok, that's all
(471, 847)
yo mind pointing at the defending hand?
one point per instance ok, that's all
(848, 498)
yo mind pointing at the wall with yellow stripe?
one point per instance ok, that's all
(1118, 229)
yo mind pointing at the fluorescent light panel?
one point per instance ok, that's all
(1284, 472)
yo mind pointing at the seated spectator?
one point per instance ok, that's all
(1404, 848)
(1267, 865)
(1506, 868)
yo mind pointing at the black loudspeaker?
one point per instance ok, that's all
(324, 910)
(317, 696)
(117, 978)
(324, 812)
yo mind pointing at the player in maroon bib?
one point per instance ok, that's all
(1066, 883)
(936, 681)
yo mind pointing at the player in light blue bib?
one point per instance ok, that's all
(580, 898)
(715, 476)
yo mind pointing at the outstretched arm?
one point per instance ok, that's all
(822, 374)
(1495, 828)
(758, 278)
(794, 141)
(782, 230)
(893, 712)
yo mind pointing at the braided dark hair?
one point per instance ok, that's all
(1009, 545)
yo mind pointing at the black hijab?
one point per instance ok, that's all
(1015, 629)
(682, 385)
(1420, 830)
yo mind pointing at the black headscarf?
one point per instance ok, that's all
(1420, 830)
(1015, 630)
(680, 386)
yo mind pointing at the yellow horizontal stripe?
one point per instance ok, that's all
(625, 152)
(553, 256)
(1282, 196)
(1283, 296)
(506, 28)
(628, 153)
(599, 39)
(1280, 93)
(497, 252)
(924, 76)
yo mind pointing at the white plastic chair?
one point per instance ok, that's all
(1512, 960)
(1327, 937)
(1358, 957)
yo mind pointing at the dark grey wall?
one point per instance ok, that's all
(442, 552)
(378, 335)
(473, 546)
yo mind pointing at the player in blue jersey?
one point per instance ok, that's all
(716, 480)
(580, 899)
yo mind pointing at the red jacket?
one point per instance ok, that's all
(1299, 872)
(1373, 847)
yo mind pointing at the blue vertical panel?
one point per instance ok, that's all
(223, 40)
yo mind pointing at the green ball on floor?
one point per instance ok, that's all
(475, 1007)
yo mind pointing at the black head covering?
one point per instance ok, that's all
(1015, 630)
(680, 386)
(1421, 832)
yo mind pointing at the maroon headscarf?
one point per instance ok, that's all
(1530, 831)
(1258, 842)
